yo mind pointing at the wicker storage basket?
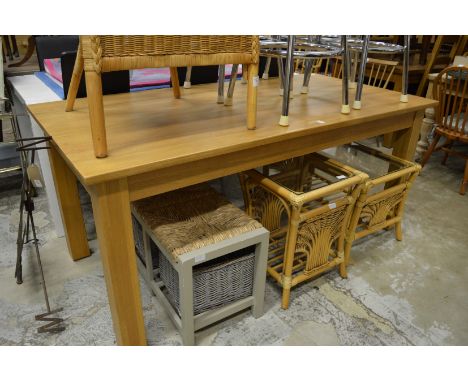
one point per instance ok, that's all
(216, 283)
(305, 203)
(139, 246)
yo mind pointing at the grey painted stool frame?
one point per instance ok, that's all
(188, 323)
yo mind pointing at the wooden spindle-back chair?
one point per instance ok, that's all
(379, 72)
(451, 117)
(98, 54)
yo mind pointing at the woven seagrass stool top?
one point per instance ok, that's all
(191, 218)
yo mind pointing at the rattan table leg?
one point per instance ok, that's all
(289, 256)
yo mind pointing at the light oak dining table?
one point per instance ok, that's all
(158, 144)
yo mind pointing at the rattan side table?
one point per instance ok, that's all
(305, 203)
(212, 257)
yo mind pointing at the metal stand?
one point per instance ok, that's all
(27, 148)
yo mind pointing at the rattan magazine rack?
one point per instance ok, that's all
(306, 204)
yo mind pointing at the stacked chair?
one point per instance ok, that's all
(98, 54)
(313, 48)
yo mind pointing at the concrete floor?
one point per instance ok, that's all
(412, 292)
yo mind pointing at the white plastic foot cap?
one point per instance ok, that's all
(187, 85)
(228, 102)
(404, 98)
(281, 92)
(284, 120)
(357, 105)
(345, 109)
(304, 90)
(265, 76)
(220, 99)
(352, 85)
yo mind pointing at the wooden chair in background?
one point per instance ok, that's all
(450, 89)
(98, 54)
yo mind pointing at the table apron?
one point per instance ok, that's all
(182, 175)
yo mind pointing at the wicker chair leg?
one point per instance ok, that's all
(175, 82)
(252, 84)
(75, 80)
(186, 303)
(465, 180)
(96, 113)
(429, 151)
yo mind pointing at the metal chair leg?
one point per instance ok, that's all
(267, 68)
(221, 74)
(288, 77)
(307, 73)
(404, 87)
(345, 92)
(188, 76)
(232, 84)
(362, 71)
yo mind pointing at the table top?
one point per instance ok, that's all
(151, 130)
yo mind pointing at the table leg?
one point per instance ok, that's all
(405, 141)
(70, 208)
(111, 208)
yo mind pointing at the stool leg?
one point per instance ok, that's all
(188, 77)
(221, 75)
(186, 303)
(232, 84)
(75, 80)
(96, 113)
(404, 78)
(15, 46)
(244, 74)
(345, 95)
(281, 74)
(252, 84)
(288, 78)
(175, 82)
(362, 71)
(266, 71)
(307, 73)
(261, 255)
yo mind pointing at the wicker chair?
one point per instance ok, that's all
(450, 89)
(98, 54)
